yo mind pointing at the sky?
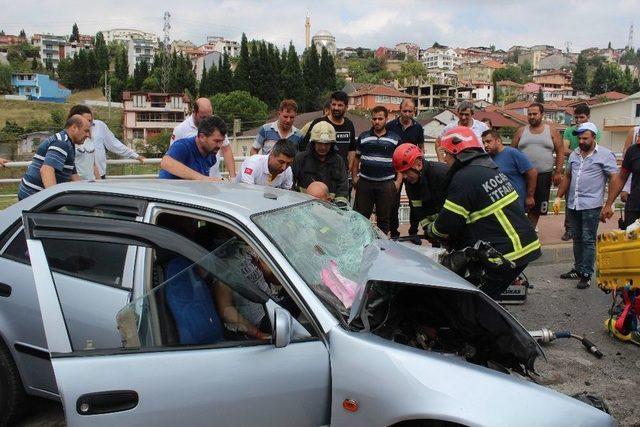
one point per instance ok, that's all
(365, 23)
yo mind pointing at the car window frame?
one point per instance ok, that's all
(155, 209)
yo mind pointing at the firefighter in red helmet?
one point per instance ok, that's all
(425, 184)
(482, 205)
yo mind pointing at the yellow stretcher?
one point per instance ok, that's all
(618, 273)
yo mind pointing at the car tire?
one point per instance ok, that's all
(13, 399)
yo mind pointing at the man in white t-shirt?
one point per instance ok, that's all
(273, 169)
(189, 127)
(465, 118)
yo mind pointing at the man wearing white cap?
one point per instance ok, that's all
(589, 168)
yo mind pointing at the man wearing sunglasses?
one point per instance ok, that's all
(409, 131)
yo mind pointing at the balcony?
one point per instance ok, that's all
(614, 124)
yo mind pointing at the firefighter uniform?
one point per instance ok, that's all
(482, 204)
(427, 196)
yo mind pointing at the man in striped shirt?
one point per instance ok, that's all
(373, 174)
(54, 161)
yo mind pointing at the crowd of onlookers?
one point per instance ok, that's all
(328, 160)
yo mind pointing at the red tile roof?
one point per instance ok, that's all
(493, 64)
(612, 96)
(379, 90)
(498, 120)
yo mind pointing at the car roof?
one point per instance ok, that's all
(239, 200)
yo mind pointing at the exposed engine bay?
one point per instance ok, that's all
(448, 321)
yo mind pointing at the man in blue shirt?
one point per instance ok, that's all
(373, 174)
(54, 162)
(590, 168)
(515, 165)
(191, 158)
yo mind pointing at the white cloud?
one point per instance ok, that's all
(369, 23)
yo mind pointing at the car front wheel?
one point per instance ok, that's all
(12, 395)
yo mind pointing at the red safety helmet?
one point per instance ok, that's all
(405, 156)
(458, 139)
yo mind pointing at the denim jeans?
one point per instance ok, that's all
(584, 228)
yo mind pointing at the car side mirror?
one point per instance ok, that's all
(282, 325)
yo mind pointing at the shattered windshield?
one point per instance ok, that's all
(324, 245)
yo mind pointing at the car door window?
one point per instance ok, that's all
(221, 298)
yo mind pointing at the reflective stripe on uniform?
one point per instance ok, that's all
(512, 256)
(341, 199)
(436, 232)
(416, 203)
(508, 228)
(492, 208)
(449, 205)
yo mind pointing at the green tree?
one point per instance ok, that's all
(5, 79)
(121, 64)
(527, 70)
(140, 73)
(75, 33)
(34, 64)
(58, 117)
(12, 128)
(157, 145)
(48, 65)
(540, 96)
(23, 35)
(292, 79)
(117, 87)
(102, 53)
(150, 84)
(327, 71)
(203, 87)
(635, 86)
(626, 83)
(225, 75)
(412, 68)
(311, 78)
(240, 105)
(579, 82)
(213, 79)
(241, 77)
(374, 65)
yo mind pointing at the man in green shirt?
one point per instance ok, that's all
(581, 114)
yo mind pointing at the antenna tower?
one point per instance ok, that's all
(630, 42)
(166, 61)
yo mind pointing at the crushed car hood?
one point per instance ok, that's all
(388, 263)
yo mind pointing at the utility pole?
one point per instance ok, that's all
(107, 92)
(166, 62)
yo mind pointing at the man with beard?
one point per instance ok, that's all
(193, 157)
(189, 127)
(321, 163)
(345, 131)
(282, 128)
(373, 175)
(482, 205)
(590, 168)
(540, 142)
(271, 169)
(465, 118)
(412, 132)
(425, 183)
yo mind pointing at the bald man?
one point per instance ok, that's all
(319, 190)
(54, 162)
(189, 127)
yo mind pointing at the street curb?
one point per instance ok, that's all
(552, 254)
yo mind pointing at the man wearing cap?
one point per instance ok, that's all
(321, 162)
(589, 169)
(482, 205)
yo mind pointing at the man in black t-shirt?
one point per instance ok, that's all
(630, 165)
(345, 131)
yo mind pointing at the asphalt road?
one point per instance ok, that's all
(557, 305)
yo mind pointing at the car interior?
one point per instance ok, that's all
(232, 286)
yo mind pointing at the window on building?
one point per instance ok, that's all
(139, 101)
(637, 110)
(138, 50)
(138, 133)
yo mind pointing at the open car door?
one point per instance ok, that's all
(158, 376)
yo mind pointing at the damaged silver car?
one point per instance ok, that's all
(239, 305)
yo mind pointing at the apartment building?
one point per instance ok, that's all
(371, 95)
(148, 114)
(139, 50)
(51, 47)
(123, 35)
(39, 87)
